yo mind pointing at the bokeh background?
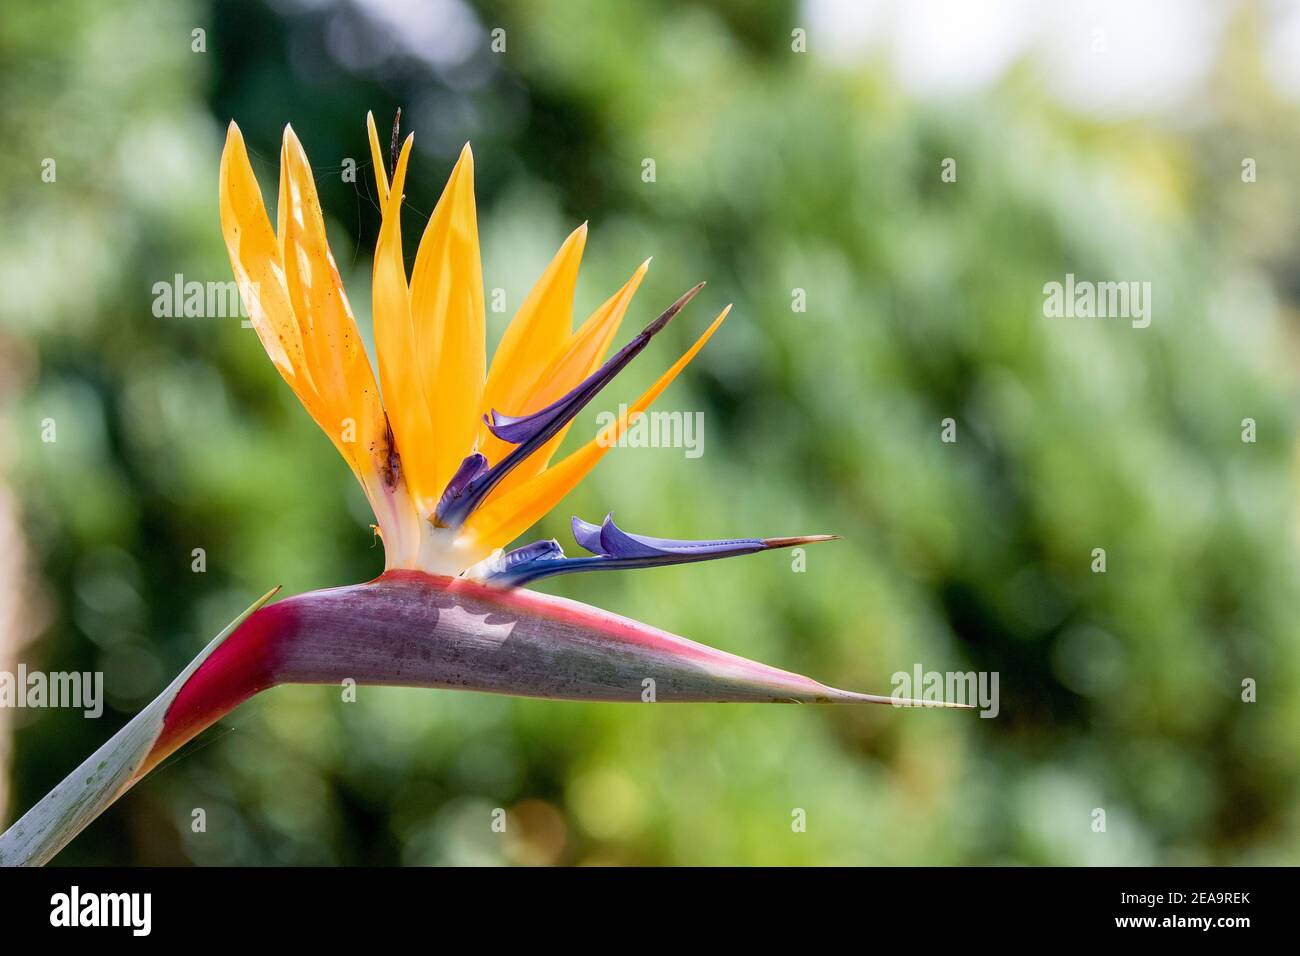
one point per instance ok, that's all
(1101, 139)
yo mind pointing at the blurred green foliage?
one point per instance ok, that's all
(774, 172)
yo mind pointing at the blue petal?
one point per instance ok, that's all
(618, 543)
(614, 549)
(473, 467)
(529, 432)
(549, 550)
(587, 535)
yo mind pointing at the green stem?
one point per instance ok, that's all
(107, 774)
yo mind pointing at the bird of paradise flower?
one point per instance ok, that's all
(456, 461)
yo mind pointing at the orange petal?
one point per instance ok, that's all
(399, 373)
(377, 159)
(447, 312)
(539, 330)
(331, 342)
(282, 203)
(581, 356)
(255, 258)
(505, 517)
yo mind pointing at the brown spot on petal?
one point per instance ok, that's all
(390, 461)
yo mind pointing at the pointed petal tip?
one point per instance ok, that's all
(234, 141)
(268, 595)
(800, 539)
(395, 195)
(292, 146)
(667, 315)
(833, 695)
(575, 241)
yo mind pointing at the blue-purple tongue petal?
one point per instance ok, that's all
(616, 542)
(516, 428)
(609, 540)
(534, 429)
(474, 466)
(587, 535)
(548, 550)
(529, 432)
(613, 548)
